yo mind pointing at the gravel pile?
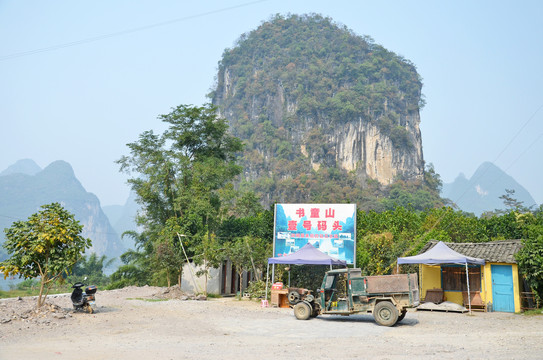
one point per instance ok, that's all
(59, 307)
(24, 310)
(174, 292)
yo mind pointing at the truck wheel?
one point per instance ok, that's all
(293, 297)
(402, 315)
(385, 313)
(302, 311)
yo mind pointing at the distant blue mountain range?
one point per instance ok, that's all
(24, 187)
(482, 191)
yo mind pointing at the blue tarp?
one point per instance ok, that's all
(307, 255)
(440, 254)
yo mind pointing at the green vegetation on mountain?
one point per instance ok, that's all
(285, 85)
(326, 69)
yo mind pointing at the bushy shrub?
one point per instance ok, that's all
(257, 289)
(530, 262)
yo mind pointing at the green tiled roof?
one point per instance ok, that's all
(502, 251)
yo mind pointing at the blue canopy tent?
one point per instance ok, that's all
(442, 254)
(307, 255)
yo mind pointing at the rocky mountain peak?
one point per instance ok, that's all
(311, 98)
(24, 166)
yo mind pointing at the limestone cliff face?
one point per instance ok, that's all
(362, 147)
(96, 226)
(316, 103)
(356, 144)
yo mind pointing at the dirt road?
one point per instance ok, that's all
(128, 325)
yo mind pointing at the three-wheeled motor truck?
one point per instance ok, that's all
(347, 292)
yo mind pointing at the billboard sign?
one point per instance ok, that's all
(331, 228)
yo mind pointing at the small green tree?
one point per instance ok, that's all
(375, 255)
(259, 250)
(137, 266)
(91, 266)
(47, 245)
(510, 202)
(210, 255)
(240, 258)
(248, 253)
(166, 261)
(530, 262)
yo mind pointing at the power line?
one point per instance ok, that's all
(517, 159)
(503, 151)
(525, 151)
(123, 32)
(438, 220)
(10, 217)
(93, 232)
(518, 132)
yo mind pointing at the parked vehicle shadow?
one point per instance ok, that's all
(407, 321)
(99, 309)
(107, 309)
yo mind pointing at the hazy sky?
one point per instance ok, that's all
(81, 79)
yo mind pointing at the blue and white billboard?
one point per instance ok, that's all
(331, 228)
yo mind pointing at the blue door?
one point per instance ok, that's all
(502, 288)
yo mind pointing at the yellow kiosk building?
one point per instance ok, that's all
(494, 284)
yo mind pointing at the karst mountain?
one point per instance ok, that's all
(322, 110)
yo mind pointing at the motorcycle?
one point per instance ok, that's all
(84, 300)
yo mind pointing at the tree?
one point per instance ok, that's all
(511, 203)
(259, 251)
(47, 245)
(375, 255)
(240, 258)
(420, 195)
(210, 255)
(237, 253)
(530, 262)
(166, 261)
(137, 264)
(248, 205)
(179, 176)
(248, 253)
(92, 267)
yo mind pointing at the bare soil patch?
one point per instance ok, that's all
(163, 323)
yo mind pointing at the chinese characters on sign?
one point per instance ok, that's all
(315, 214)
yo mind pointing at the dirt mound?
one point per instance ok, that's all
(59, 306)
(24, 309)
(174, 292)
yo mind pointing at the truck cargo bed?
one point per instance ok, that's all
(382, 284)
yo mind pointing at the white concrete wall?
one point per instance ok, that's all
(194, 284)
(190, 282)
